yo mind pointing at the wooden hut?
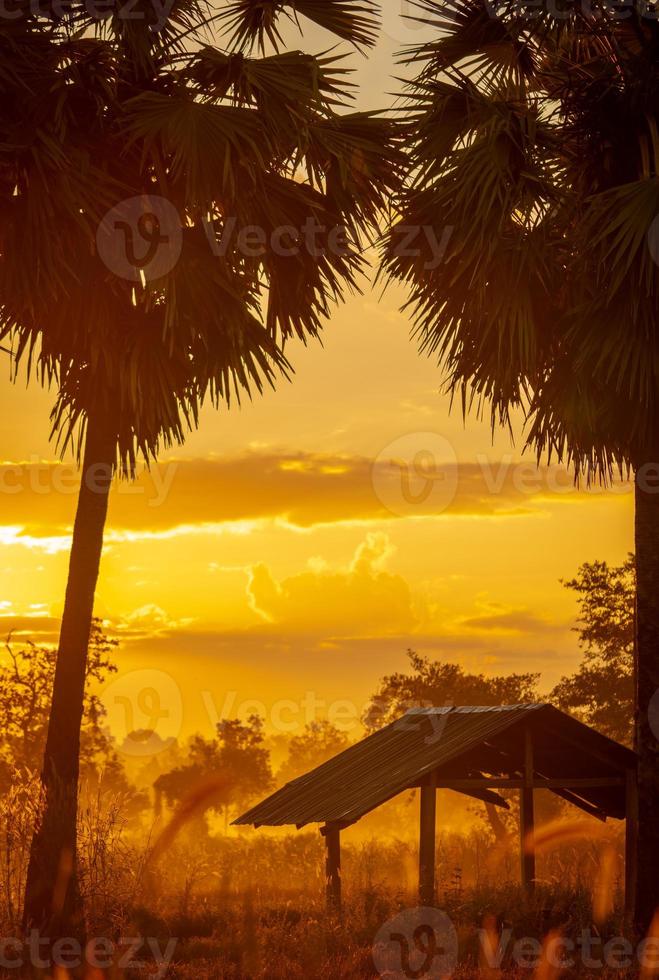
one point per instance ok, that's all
(472, 750)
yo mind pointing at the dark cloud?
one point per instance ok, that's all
(304, 489)
(39, 629)
(513, 620)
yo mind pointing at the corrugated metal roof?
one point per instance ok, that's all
(456, 741)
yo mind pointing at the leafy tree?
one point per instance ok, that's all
(237, 753)
(436, 683)
(232, 139)
(601, 692)
(25, 692)
(26, 683)
(534, 142)
(318, 742)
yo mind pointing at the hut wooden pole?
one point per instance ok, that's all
(332, 834)
(631, 838)
(427, 821)
(526, 819)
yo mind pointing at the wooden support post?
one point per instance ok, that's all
(631, 844)
(332, 833)
(526, 820)
(427, 818)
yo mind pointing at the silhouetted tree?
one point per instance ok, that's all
(237, 754)
(26, 684)
(601, 691)
(534, 156)
(232, 139)
(318, 742)
(436, 683)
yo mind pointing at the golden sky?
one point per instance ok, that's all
(300, 543)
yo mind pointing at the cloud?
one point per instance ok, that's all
(301, 489)
(36, 627)
(40, 540)
(511, 621)
(148, 620)
(360, 600)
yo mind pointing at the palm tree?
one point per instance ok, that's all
(242, 138)
(534, 143)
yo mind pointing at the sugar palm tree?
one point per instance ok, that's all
(241, 137)
(534, 135)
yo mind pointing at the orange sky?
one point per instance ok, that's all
(281, 551)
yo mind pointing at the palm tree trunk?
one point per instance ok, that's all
(51, 897)
(647, 685)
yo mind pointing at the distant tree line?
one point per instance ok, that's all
(599, 692)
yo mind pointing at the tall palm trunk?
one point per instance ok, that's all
(51, 897)
(647, 685)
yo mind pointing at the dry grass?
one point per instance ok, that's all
(250, 907)
(287, 941)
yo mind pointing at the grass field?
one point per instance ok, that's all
(250, 906)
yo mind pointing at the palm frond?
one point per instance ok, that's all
(117, 111)
(535, 145)
(344, 156)
(208, 149)
(295, 81)
(475, 36)
(252, 23)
